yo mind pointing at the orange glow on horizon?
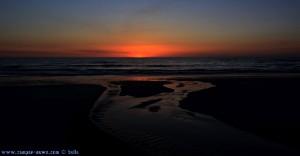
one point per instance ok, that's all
(160, 50)
(140, 51)
(145, 50)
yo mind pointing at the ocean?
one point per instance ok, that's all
(145, 66)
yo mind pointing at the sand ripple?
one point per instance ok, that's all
(157, 125)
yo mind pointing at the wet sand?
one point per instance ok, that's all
(53, 113)
(264, 106)
(170, 130)
(153, 115)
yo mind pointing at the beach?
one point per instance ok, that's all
(39, 117)
(150, 77)
(264, 106)
(52, 114)
(55, 113)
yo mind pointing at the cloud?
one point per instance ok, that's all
(102, 53)
(61, 53)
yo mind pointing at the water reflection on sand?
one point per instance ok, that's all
(156, 123)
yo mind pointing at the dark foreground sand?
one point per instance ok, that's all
(53, 117)
(173, 131)
(56, 117)
(266, 106)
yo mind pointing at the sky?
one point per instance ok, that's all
(149, 28)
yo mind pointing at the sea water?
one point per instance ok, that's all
(145, 66)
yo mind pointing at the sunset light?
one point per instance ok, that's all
(140, 51)
(150, 77)
(149, 28)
